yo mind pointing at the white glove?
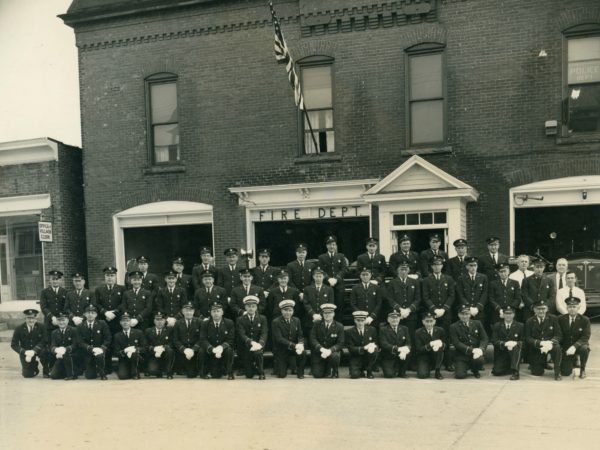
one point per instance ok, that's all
(134, 322)
(266, 293)
(501, 314)
(60, 352)
(245, 313)
(159, 350)
(375, 282)
(189, 353)
(299, 349)
(109, 315)
(300, 296)
(370, 347)
(77, 320)
(510, 344)
(171, 321)
(571, 350)
(218, 351)
(403, 352)
(29, 354)
(414, 276)
(97, 351)
(54, 322)
(474, 311)
(255, 346)
(404, 313)
(477, 353)
(316, 317)
(325, 353)
(439, 312)
(28, 358)
(332, 281)
(436, 345)
(369, 320)
(546, 346)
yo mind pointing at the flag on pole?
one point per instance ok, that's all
(282, 54)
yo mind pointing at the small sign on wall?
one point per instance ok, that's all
(45, 231)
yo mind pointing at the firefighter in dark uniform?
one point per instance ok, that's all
(129, 345)
(335, 266)
(246, 288)
(435, 241)
(63, 342)
(373, 260)
(404, 297)
(405, 255)
(283, 292)
(229, 275)
(29, 340)
(170, 299)
(507, 337)
(78, 299)
(263, 274)
(315, 295)
(537, 288)
(186, 336)
(161, 356)
(252, 331)
(472, 290)
(361, 341)
(300, 269)
(327, 343)
(137, 302)
(53, 300)
(288, 342)
(470, 342)
(94, 345)
(543, 336)
(489, 261)
(217, 339)
(438, 293)
(205, 264)
(430, 344)
(183, 280)
(395, 347)
(456, 266)
(208, 294)
(109, 297)
(367, 296)
(150, 281)
(504, 292)
(576, 331)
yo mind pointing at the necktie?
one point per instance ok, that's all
(560, 283)
(472, 277)
(171, 291)
(78, 292)
(56, 291)
(302, 265)
(360, 332)
(366, 286)
(431, 333)
(127, 334)
(371, 256)
(30, 329)
(494, 258)
(572, 323)
(158, 332)
(63, 332)
(189, 323)
(287, 321)
(570, 292)
(507, 327)
(460, 259)
(90, 326)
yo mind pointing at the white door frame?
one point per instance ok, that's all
(6, 290)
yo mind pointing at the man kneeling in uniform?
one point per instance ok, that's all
(160, 348)
(129, 346)
(29, 341)
(252, 330)
(507, 337)
(361, 341)
(288, 341)
(217, 338)
(395, 346)
(63, 341)
(430, 344)
(470, 341)
(94, 342)
(576, 331)
(327, 340)
(543, 336)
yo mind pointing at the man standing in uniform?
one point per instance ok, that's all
(150, 281)
(206, 264)
(300, 269)
(327, 342)
(288, 341)
(229, 275)
(489, 261)
(316, 295)
(367, 296)
(208, 294)
(335, 266)
(63, 343)
(504, 292)
(160, 348)
(404, 297)
(283, 292)
(238, 293)
(29, 341)
(129, 345)
(537, 288)
(435, 241)
(186, 337)
(94, 345)
(361, 341)
(456, 266)
(395, 347)
(543, 337)
(470, 342)
(183, 280)
(53, 300)
(430, 344)
(405, 255)
(109, 297)
(78, 299)
(507, 337)
(576, 331)
(472, 290)
(252, 331)
(373, 260)
(137, 302)
(264, 275)
(217, 338)
(170, 299)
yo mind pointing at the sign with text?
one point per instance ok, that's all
(317, 212)
(45, 231)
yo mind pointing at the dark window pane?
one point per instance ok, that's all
(399, 219)
(427, 121)
(584, 107)
(426, 218)
(439, 217)
(316, 87)
(412, 219)
(426, 76)
(166, 143)
(164, 102)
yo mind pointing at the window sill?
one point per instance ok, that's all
(578, 139)
(170, 168)
(317, 158)
(427, 150)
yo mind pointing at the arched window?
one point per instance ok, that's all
(163, 120)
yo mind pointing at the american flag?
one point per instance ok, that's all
(282, 54)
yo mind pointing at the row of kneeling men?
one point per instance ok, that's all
(206, 346)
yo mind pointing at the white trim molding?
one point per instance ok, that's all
(28, 151)
(22, 205)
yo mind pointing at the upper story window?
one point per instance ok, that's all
(163, 121)
(583, 78)
(318, 100)
(426, 102)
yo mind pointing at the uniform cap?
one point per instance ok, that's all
(109, 269)
(371, 240)
(90, 308)
(231, 251)
(508, 309)
(318, 270)
(301, 246)
(283, 273)
(365, 270)
(125, 318)
(250, 300)
(171, 273)
(77, 275)
(463, 308)
(492, 239)
(459, 242)
(136, 274)
(471, 260)
(539, 262)
(428, 315)
(216, 305)
(503, 265)
(30, 312)
(539, 304)
(204, 250)
(142, 259)
(435, 237)
(245, 271)
(55, 273)
(328, 307)
(360, 314)
(572, 300)
(177, 260)
(403, 238)
(207, 273)
(287, 304)
(264, 251)
(188, 305)
(393, 314)
(159, 315)
(436, 260)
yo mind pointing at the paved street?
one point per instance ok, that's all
(292, 414)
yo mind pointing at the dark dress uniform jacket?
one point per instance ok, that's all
(577, 335)
(136, 338)
(334, 267)
(300, 277)
(332, 338)
(52, 303)
(423, 339)
(137, 306)
(538, 289)
(391, 340)
(164, 338)
(264, 278)
(211, 337)
(548, 330)
(237, 298)
(412, 259)
(76, 304)
(203, 299)
(376, 265)
(438, 294)
(151, 282)
(98, 336)
(285, 337)
(455, 267)
(170, 303)
(257, 330)
(355, 342)
(466, 338)
(501, 296)
(109, 300)
(276, 296)
(68, 339)
(229, 278)
(425, 259)
(185, 283)
(313, 298)
(500, 335)
(24, 340)
(488, 267)
(368, 299)
(404, 294)
(197, 274)
(187, 337)
(473, 293)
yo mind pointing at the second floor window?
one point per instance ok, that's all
(584, 83)
(163, 119)
(316, 87)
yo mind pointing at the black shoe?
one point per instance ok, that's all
(241, 373)
(159, 375)
(548, 366)
(70, 378)
(376, 369)
(46, 375)
(136, 377)
(515, 376)
(262, 377)
(230, 377)
(402, 375)
(450, 368)
(334, 374)
(103, 378)
(370, 375)
(582, 374)
(205, 377)
(169, 377)
(300, 376)
(438, 375)
(558, 377)
(476, 374)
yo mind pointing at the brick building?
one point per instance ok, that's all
(470, 118)
(41, 180)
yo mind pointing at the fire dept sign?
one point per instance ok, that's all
(45, 231)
